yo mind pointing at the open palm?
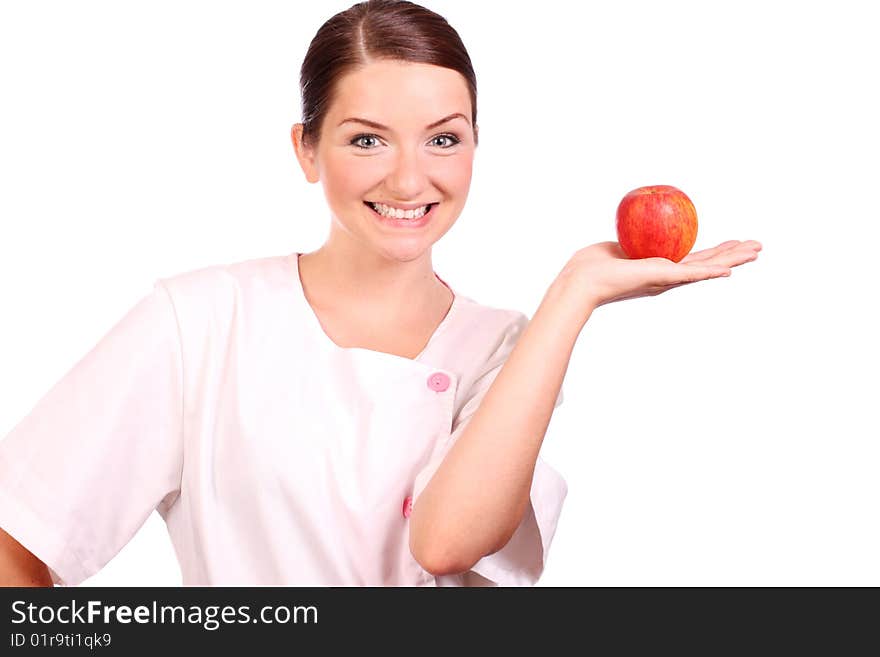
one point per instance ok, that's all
(609, 275)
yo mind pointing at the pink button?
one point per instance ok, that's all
(438, 382)
(407, 507)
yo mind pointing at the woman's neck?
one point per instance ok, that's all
(366, 281)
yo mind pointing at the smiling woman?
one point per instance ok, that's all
(321, 391)
(334, 418)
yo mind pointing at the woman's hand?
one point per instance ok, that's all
(603, 273)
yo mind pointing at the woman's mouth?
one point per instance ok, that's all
(408, 218)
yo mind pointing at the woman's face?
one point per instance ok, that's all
(408, 162)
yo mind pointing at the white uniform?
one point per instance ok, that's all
(274, 456)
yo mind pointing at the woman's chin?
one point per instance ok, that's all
(404, 250)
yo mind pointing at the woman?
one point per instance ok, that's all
(340, 417)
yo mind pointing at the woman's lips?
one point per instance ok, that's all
(404, 223)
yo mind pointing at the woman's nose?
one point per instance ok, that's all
(407, 177)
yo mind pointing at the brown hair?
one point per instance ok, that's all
(370, 31)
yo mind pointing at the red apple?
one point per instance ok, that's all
(656, 221)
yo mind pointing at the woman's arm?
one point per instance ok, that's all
(18, 566)
(477, 497)
(479, 494)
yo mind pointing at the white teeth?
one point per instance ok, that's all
(395, 213)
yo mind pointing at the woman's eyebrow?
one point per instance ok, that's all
(379, 126)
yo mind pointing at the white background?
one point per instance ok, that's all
(718, 434)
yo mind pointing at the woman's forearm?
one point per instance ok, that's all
(18, 567)
(479, 494)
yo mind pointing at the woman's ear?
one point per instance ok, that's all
(304, 154)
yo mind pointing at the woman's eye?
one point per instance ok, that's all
(365, 142)
(453, 140)
(356, 141)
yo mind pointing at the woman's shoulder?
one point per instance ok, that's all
(203, 279)
(239, 270)
(218, 292)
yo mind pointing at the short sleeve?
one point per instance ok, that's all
(521, 561)
(81, 473)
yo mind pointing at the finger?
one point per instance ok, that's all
(738, 255)
(697, 276)
(727, 255)
(692, 273)
(705, 254)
